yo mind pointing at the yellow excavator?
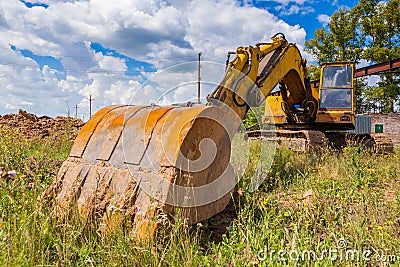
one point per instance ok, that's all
(143, 163)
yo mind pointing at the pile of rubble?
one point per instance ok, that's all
(32, 126)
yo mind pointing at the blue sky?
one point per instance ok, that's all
(308, 14)
(55, 54)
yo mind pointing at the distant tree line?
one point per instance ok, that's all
(369, 31)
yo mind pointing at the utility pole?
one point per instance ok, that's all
(76, 111)
(68, 111)
(90, 106)
(198, 80)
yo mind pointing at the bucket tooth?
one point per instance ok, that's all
(103, 194)
(92, 184)
(55, 188)
(123, 189)
(74, 179)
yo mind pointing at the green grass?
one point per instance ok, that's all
(309, 202)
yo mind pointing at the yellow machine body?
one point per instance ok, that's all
(335, 98)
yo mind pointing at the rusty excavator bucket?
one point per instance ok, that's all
(138, 162)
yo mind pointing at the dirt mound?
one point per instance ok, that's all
(32, 126)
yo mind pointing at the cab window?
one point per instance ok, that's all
(337, 76)
(335, 98)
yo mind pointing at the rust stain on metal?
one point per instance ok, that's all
(86, 132)
(114, 131)
(138, 132)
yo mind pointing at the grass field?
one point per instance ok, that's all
(313, 209)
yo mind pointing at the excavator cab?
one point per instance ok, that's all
(336, 87)
(336, 96)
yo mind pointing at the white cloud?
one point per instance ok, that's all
(178, 83)
(286, 2)
(10, 106)
(291, 7)
(155, 31)
(110, 63)
(294, 9)
(323, 19)
(233, 26)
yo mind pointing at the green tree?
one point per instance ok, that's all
(341, 40)
(363, 104)
(369, 31)
(321, 46)
(380, 26)
(314, 72)
(387, 91)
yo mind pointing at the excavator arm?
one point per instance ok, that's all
(256, 71)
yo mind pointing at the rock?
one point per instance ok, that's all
(27, 115)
